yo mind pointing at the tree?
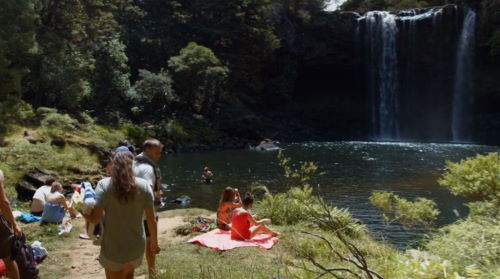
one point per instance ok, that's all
(110, 81)
(69, 37)
(199, 77)
(18, 19)
(153, 95)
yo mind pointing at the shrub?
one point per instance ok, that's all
(173, 130)
(477, 178)
(394, 208)
(136, 133)
(298, 176)
(300, 205)
(62, 122)
(44, 111)
(13, 111)
(474, 241)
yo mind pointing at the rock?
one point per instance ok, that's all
(182, 200)
(25, 191)
(35, 140)
(39, 177)
(58, 142)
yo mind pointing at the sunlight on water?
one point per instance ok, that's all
(353, 169)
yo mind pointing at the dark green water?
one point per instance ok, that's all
(353, 171)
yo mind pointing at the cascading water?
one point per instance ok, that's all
(402, 72)
(463, 76)
(380, 34)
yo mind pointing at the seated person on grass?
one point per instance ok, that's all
(229, 200)
(56, 205)
(40, 197)
(243, 224)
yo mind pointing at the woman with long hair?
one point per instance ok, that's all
(229, 200)
(124, 199)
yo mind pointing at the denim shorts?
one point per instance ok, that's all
(115, 266)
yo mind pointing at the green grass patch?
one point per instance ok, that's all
(57, 264)
(474, 241)
(21, 156)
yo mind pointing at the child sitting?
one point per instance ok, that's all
(229, 200)
(243, 224)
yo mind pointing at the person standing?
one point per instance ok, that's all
(146, 167)
(125, 199)
(8, 226)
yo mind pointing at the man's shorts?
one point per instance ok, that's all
(5, 242)
(146, 228)
(114, 266)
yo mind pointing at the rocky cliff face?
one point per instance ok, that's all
(333, 90)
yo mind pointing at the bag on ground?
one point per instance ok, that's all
(22, 253)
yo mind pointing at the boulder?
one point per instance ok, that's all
(58, 142)
(35, 140)
(182, 200)
(25, 191)
(39, 177)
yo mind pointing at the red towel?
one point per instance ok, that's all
(221, 240)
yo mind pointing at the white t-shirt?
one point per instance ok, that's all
(145, 171)
(39, 198)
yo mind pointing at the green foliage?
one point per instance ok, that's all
(300, 205)
(398, 209)
(301, 176)
(136, 133)
(60, 122)
(153, 95)
(199, 76)
(13, 111)
(19, 19)
(172, 129)
(110, 81)
(21, 156)
(471, 242)
(477, 178)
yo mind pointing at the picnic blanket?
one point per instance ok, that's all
(221, 240)
(202, 224)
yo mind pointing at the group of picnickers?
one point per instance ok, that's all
(124, 202)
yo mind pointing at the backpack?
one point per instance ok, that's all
(22, 253)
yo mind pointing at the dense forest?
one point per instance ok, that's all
(193, 70)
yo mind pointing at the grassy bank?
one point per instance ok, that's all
(300, 254)
(57, 143)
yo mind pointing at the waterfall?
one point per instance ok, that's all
(382, 71)
(463, 76)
